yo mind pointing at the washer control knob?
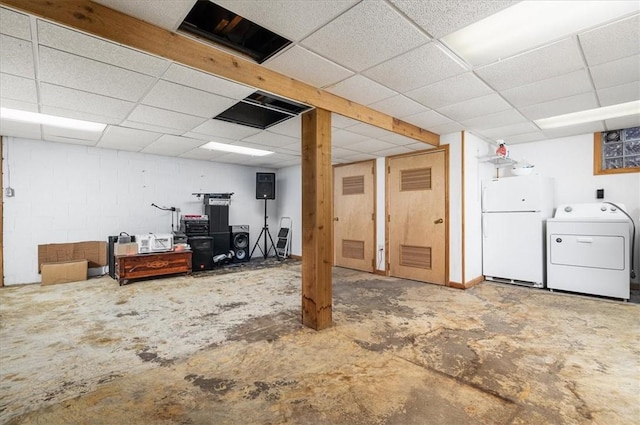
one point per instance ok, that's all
(603, 208)
(559, 240)
(614, 209)
(568, 209)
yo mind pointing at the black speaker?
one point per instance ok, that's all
(221, 241)
(265, 185)
(202, 252)
(240, 242)
(111, 259)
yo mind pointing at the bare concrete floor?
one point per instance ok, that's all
(229, 349)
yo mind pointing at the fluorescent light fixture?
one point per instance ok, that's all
(590, 115)
(44, 119)
(529, 24)
(215, 146)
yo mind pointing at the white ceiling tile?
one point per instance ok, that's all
(452, 90)
(419, 146)
(366, 35)
(163, 118)
(76, 100)
(361, 90)
(18, 88)
(340, 121)
(16, 57)
(446, 128)
(615, 73)
(392, 151)
(497, 119)
(562, 106)
(371, 145)
(619, 94)
(359, 156)
(552, 88)
(151, 127)
(610, 42)
(475, 107)
(79, 115)
(227, 130)
(592, 127)
(292, 149)
(559, 58)
(623, 122)
(343, 138)
(398, 139)
(94, 48)
(265, 138)
(424, 65)
(427, 119)
(398, 106)
(210, 83)
(290, 19)
(291, 127)
(169, 15)
(184, 99)
(201, 154)
(306, 66)
(505, 132)
(15, 24)
(20, 129)
(71, 135)
(370, 130)
(128, 139)
(72, 71)
(18, 104)
(441, 17)
(172, 145)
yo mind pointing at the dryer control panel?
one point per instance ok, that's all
(590, 210)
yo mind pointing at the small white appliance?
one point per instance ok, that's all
(589, 250)
(514, 210)
(154, 242)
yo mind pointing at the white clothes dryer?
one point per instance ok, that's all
(588, 250)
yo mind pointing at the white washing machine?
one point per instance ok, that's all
(588, 250)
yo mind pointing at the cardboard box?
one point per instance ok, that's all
(64, 272)
(130, 248)
(95, 252)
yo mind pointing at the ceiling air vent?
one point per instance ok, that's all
(217, 24)
(261, 110)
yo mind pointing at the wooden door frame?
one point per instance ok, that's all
(375, 209)
(442, 148)
(2, 139)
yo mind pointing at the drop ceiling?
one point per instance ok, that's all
(386, 54)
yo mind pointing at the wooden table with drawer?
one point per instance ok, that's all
(153, 264)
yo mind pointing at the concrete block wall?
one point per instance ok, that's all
(70, 193)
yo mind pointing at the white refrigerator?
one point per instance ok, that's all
(514, 213)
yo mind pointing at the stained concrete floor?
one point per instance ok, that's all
(229, 349)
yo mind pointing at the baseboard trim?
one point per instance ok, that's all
(380, 272)
(296, 257)
(469, 284)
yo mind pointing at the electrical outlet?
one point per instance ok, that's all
(9, 192)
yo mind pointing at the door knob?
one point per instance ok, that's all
(335, 218)
(438, 221)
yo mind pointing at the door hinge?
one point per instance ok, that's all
(389, 218)
(373, 216)
(373, 264)
(389, 169)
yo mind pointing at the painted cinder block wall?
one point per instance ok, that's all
(70, 193)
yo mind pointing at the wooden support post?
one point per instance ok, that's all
(317, 235)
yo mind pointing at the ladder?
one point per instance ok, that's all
(283, 246)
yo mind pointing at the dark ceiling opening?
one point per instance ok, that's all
(217, 24)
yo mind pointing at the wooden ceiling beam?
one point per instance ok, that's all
(98, 20)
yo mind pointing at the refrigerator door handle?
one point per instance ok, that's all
(484, 227)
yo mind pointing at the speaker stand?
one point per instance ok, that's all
(264, 233)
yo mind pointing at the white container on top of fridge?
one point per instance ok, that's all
(514, 212)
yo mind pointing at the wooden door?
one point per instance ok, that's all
(354, 215)
(417, 216)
